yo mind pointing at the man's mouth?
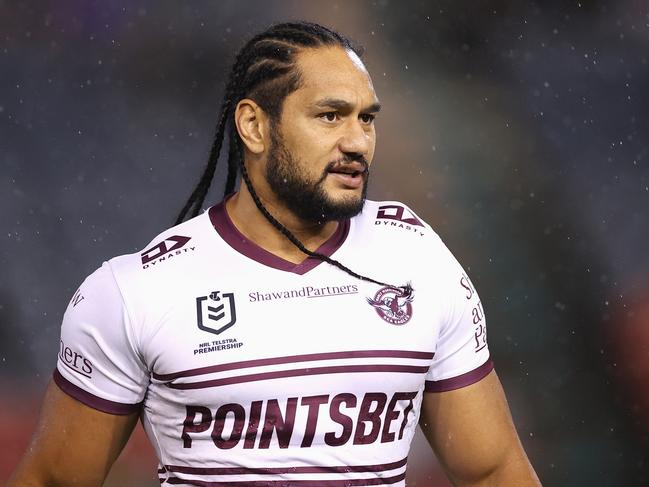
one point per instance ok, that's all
(352, 169)
(350, 175)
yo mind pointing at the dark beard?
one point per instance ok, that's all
(307, 199)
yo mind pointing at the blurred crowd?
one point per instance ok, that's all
(518, 129)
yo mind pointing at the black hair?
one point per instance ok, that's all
(265, 71)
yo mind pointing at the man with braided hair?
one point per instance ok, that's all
(268, 341)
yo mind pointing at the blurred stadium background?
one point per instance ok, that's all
(518, 129)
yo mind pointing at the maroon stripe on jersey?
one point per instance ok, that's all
(230, 234)
(461, 380)
(340, 369)
(311, 357)
(284, 470)
(290, 483)
(91, 400)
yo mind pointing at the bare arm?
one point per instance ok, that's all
(74, 445)
(472, 433)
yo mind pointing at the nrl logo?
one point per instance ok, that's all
(216, 315)
(394, 305)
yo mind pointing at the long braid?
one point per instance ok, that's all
(233, 167)
(195, 201)
(197, 197)
(264, 70)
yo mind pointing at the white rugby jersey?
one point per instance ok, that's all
(249, 370)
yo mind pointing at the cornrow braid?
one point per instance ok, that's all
(233, 162)
(265, 71)
(195, 201)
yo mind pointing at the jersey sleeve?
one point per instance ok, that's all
(462, 355)
(98, 363)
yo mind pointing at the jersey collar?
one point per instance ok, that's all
(228, 232)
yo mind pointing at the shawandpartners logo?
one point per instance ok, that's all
(303, 292)
(165, 250)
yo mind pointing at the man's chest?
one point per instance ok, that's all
(295, 340)
(271, 360)
(245, 331)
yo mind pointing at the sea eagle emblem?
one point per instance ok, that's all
(393, 304)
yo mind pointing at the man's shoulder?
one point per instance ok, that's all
(390, 232)
(176, 243)
(394, 228)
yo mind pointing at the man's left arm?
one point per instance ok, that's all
(472, 432)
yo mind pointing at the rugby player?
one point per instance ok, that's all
(294, 333)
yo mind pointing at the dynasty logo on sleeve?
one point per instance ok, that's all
(168, 248)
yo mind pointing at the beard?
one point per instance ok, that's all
(307, 198)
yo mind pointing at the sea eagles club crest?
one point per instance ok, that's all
(394, 305)
(216, 313)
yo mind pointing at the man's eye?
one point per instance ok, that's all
(367, 118)
(329, 116)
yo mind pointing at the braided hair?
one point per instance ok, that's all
(265, 71)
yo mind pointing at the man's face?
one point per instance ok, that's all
(322, 147)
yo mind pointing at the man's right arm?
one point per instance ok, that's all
(92, 405)
(73, 445)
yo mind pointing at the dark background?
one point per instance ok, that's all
(517, 129)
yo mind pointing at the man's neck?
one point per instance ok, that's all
(254, 226)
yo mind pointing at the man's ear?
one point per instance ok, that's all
(252, 125)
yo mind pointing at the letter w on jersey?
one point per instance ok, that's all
(216, 314)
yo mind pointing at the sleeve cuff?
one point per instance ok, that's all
(460, 381)
(91, 400)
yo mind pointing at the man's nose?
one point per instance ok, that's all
(356, 139)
